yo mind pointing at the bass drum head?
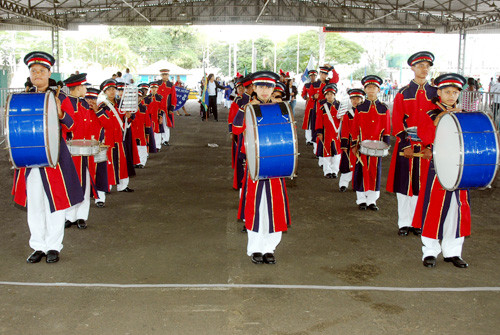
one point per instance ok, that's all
(447, 152)
(251, 142)
(52, 131)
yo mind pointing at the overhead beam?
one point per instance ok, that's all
(23, 11)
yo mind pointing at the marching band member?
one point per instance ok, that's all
(266, 210)
(307, 124)
(348, 159)
(140, 131)
(279, 92)
(113, 127)
(328, 132)
(144, 88)
(153, 103)
(47, 192)
(236, 164)
(100, 170)
(167, 90)
(371, 122)
(85, 122)
(445, 214)
(315, 92)
(407, 172)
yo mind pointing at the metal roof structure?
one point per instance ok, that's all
(445, 16)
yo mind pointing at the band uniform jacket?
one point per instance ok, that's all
(348, 158)
(309, 104)
(61, 184)
(330, 146)
(167, 90)
(406, 175)
(433, 206)
(371, 122)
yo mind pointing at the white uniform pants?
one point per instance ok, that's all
(158, 140)
(315, 146)
(262, 241)
(143, 154)
(102, 197)
(368, 197)
(345, 178)
(165, 137)
(450, 245)
(331, 164)
(122, 184)
(46, 228)
(81, 210)
(308, 133)
(406, 209)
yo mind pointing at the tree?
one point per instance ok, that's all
(369, 69)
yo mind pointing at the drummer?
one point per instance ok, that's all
(307, 124)
(407, 172)
(328, 132)
(85, 121)
(48, 192)
(267, 213)
(348, 159)
(371, 122)
(99, 169)
(445, 214)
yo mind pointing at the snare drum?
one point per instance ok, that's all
(32, 129)
(83, 147)
(466, 151)
(270, 141)
(374, 148)
(102, 155)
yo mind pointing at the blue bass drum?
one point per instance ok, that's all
(270, 141)
(466, 151)
(32, 129)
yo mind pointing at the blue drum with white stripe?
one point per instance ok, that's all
(466, 151)
(270, 141)
(32, 129)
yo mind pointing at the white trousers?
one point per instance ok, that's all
(81, 210)
(262, 241)
(331, 164)
(143, 154)
(165, 137)
(158, 140)
(406, 209)
(102, 197)
(345, 178)
(308, 134)
(122, 184)
(450, 245)
(368, 197)
(46, 228)
(315, 146)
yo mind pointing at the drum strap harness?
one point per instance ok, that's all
(112, 108)
(327, 109)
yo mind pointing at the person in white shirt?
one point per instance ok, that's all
(127, 77)
(495, 99)
(119, 78)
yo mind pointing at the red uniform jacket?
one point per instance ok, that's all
(140, 126)
(154, 103)
(348, 158)
(433, 207)
(167, 90)
(331, 132)
(407, 175)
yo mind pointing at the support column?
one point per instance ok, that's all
(322, 41)
(461, 51)
(55, 48)
(234, 59)
(298, 52)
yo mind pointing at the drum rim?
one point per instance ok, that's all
(7, 130)
(295, 140)
(497, 140)
(385, 151)
(45, 122)
(255, 173)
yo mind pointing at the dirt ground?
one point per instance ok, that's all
(179, 227)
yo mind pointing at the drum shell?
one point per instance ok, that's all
(83, 147)
(375, 152)
(101, 156)
(32, 129)
(270, 141)
(478, 151)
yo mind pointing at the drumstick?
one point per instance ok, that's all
(414, 155)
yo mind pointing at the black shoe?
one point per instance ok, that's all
(403, 231)
(81, 224)
(328, 175)
(373, 207)
(269, 258)
(128, 189)
(244, 229)
(343, 189)
(36, 256)
(417, 231)
(457, 261)
(166, 143)
(429, 261)
(362, 206)
(257, 258)
(68, 224)
(99, 204)
(52, 256)
(139, 166)
(334, 175)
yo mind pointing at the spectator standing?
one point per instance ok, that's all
(119, 78)
(495, 89)
(470, 99)
(127, 77)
